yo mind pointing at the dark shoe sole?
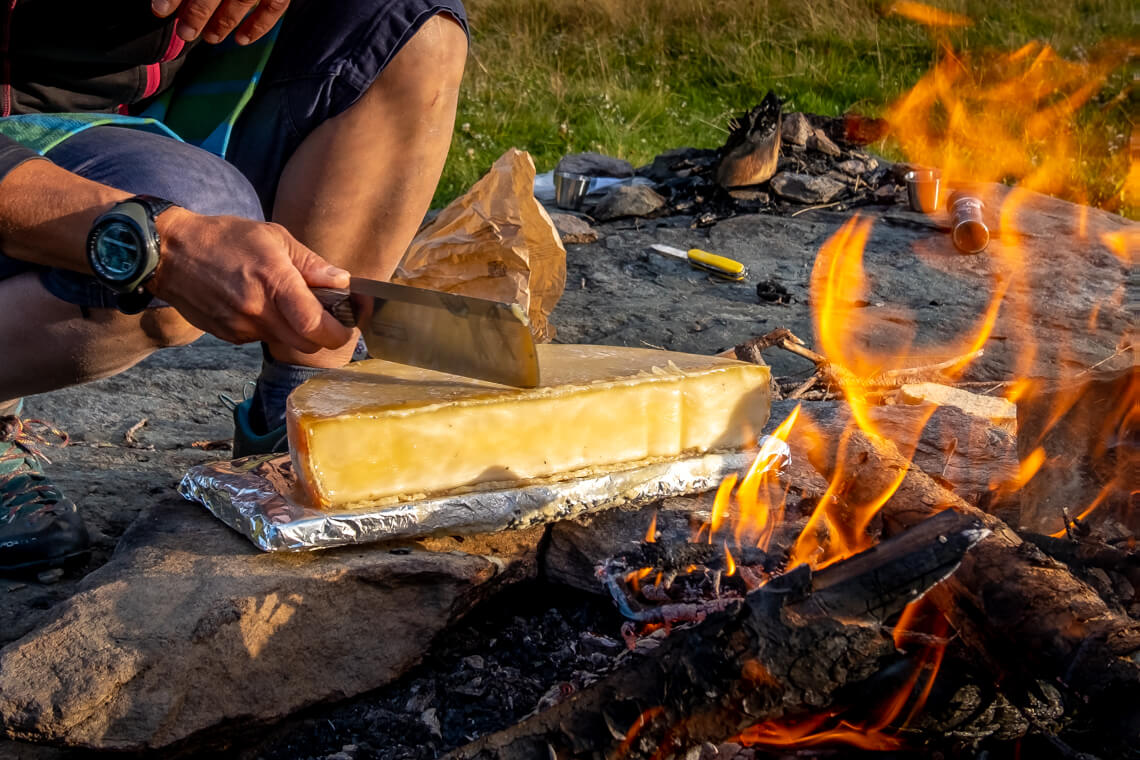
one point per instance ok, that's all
(65, 562)
(61, 543)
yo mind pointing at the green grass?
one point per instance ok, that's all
(632, 78)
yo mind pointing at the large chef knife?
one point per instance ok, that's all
(461, 335)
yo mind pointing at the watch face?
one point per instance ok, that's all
(119, 250)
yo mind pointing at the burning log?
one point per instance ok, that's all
(786, 646)
(1023, 613)
(961, 453)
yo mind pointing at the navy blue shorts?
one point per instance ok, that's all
(322, 62)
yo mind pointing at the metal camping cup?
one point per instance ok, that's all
(570, 189)
(968, 229)
(922, 188)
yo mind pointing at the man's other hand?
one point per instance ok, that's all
(242, 281)
(215, 19)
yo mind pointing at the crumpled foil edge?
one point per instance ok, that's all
(244, 499)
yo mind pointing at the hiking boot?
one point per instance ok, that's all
(40, 529)
(247, 441)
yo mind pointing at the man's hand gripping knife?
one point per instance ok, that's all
(237, 279)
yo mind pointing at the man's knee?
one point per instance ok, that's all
(430, 65)
(166, 328)
(205, 184)
(143, 162)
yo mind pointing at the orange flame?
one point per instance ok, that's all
(1026, 469)
(1124, 243)
(730, 563)
(756, 507)
(1006, 119)
(631, 735)
(1100, 498)
(925, 14)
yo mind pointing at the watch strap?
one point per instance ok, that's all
(152, 203)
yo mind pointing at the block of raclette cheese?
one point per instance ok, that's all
(377, 432)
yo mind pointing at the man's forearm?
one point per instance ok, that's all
(238, 279)
(46, 212)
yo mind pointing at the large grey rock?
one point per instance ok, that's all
(806, 188)
(189, 628)
(595, 165)
(628, 200)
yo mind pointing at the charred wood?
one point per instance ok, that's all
(782, 648)
(752, 151)
(1022, 612)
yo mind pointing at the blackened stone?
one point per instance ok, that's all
(804, 188)
(595, 165)
(679, 162)
(628, 200)
(821, 142)
(796, 129)
(772, 291)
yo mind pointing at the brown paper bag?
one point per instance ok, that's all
(496, 242)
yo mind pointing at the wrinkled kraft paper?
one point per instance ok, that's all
(497, 242)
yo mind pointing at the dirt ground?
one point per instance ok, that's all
(134, 435)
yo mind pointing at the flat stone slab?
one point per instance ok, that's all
(188, 628)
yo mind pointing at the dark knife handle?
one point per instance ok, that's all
(339, 303)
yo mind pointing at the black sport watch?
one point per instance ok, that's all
(123, 249)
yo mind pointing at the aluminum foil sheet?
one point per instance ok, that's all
(259, 498)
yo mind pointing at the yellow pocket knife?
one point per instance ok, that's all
(720, 266)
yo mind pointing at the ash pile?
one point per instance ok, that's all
(772, 162)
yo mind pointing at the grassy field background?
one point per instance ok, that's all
(632, 78)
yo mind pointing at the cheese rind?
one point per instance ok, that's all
(377, 432)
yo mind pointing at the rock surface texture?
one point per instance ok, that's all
(804, 188)
(573, 229)
(188, 628)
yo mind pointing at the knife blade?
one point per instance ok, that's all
(461, 335)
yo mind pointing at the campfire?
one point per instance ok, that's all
(869, 600)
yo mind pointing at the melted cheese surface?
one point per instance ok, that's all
(378, 432)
